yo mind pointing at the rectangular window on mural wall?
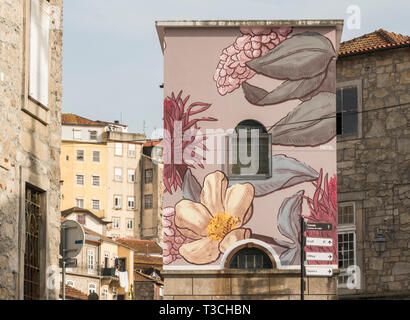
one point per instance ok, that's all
(269, 97)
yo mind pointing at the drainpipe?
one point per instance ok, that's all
(141, 190)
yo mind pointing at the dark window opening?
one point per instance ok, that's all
(80, 218)
(347, 111)
(250, 258)
(32, 249)
(264, 148)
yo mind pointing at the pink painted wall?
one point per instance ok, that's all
(191, 60)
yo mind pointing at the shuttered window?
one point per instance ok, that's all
(39, 53)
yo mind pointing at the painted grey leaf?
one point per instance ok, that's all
(311, 123)
(286, 91)
(328, 84)
(289, 216)
(191, 189)
(304, 55)
(286, 172)
(290, 256)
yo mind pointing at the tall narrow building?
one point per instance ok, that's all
(30, 139)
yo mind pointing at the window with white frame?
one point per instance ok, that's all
(80, 155)
(117, 202)
(118, 174)
(131, 203)
(96, 204)
(92, 288)
(39, 51)
(76, 134)
(93, 135)
(346, 240)
(69, 283)
(130, 224)
(79, 202)
(131, 150)
(114, 293)
(96, 156)
(90, 261)
(95, 180)
(118, 149)
(79, 179)
(116, 223)
(131, 175)
(105, 294)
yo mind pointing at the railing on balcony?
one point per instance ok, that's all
(108, 272)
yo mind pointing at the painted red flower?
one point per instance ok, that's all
(182, 140)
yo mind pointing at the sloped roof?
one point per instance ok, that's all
(141, 246)
(143, 261)
(73, 119)
(377, 40)
(152, 143)
(72, 293)
(66, 212)
(139, 276)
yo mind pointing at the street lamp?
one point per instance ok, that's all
(379, 243)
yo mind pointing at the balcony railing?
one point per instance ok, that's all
(108, 272)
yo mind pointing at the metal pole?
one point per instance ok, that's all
(64, 257)
(302, 259)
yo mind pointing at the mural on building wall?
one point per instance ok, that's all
(213, 215)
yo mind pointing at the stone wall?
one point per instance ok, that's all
(144, 290)
(374, 169)
(29, 148)
(246, 284)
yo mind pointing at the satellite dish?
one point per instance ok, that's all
(71, 239)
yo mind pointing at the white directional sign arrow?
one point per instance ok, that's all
(318, 271)
(319, 256)
(321, 242)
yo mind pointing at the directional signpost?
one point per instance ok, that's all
(71, 242)
(320, 242)
(314, 270)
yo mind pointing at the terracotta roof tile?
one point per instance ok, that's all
(72, 293)
(70, 118)
(377, 40)
(152, 143)
(139, 276)
(66, 212)
(141, 246)
(145, 261)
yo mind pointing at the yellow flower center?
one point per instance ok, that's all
(220, 225)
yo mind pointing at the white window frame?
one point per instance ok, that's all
(132, 175)
(76, 180)
(117, 177)
(76, 155)
(92, 133)
(347, 228)
(76, 202)
(99, 156)
(39, 55)
(132, 150)
(77, 134)
(117, 207)
(131, 199)
(99, 180)
(116, 225)
(90, 261)
(92, 204)
(128, 224)
(114, 293)
(104, 294)
(118, 149)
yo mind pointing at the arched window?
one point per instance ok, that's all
(250, 258)
(250, 151)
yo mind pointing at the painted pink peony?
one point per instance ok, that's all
(173, 239)
(254, 42)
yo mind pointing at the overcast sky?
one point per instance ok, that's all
(113, 62)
